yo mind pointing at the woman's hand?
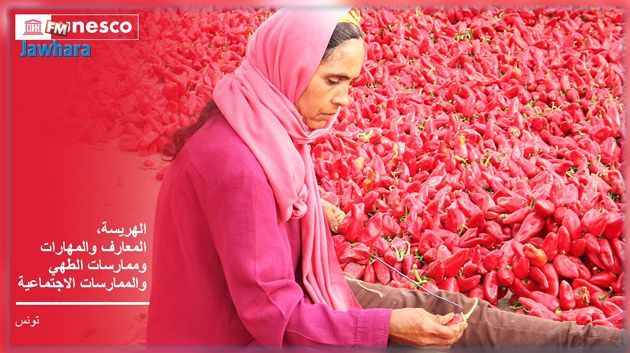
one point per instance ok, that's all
(417, 327)
(334, 216)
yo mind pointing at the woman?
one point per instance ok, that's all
(242, 252)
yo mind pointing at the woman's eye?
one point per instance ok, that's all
(332, 82)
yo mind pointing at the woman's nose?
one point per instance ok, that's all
(341, 99)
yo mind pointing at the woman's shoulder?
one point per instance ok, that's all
(217, 150)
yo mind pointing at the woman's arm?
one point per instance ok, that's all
(257, 263)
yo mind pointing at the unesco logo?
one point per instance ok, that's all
(61, 27)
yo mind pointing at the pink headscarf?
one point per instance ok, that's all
(259, 103)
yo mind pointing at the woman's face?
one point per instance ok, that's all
(328, 89)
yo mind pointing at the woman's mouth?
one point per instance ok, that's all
(327, 116)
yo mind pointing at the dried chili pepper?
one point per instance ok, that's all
(565, 267)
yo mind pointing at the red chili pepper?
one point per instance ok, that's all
(476, 255)
(342, 248)
(491, 260)
(603, 279)
(469, 269)
(382, 272)
(550, 225)
(578, 247)
(443, 252)
(468, 283)
(527, 302)
(455, 219)
(537, 242)
(517, 248)
(494, 229)
(505, 277)
(582, 296)
(430, 255)
(572, 222)
(428, 240)
(390, 226)
(542, 312)
(401, 246)
(548, 300)
(530, 227)
(368, 274)
(583, 271)
(468, 207)
(544, 208)
(407, 265)
(582, 315)
(404, 284)
(559, 212)
(565, 267)
(352, 226)
(536, 256)
(566, 296)
(457, 318)
(550, 245)
(536, 274)
(552, 279)
(375, 226)
(594, 222)
(610, 308)
(618, 300)
(450, 284)
(517, 216)
(595, 293)
(353, 269)
(482, 200)
(360, 254)
(435, 270)
(569, 195)
(430, 286)
(591, 243)
(595, 260)
(454, 263)
(512, 203)
(564, 240)
(537, 309)
(520, 268)
(618, 285)
(618, 247)
(605, 254)
(477, 292)
(390, 257)
(614, 226)
(490, 287)
(484, 239)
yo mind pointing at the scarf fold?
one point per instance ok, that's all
(258, 101)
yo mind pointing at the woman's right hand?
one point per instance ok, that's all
(417, 327)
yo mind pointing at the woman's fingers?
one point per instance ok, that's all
(448, 332)
(421, 328)
(339, 215)
(444, 319)
(334, 216)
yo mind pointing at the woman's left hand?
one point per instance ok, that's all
(334, 216)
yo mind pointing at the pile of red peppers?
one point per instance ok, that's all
(480, 153)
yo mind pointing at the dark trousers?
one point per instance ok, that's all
(490, 327)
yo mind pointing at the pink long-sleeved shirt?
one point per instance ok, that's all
(224, 271)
